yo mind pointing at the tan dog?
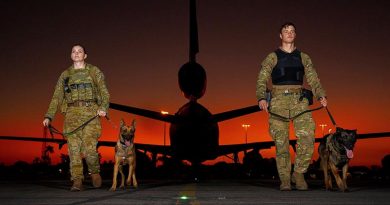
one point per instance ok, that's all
(125, 154)
(335, 152)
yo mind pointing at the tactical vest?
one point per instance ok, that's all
(289, 69)
(79, 85)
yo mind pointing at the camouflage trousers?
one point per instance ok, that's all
(82, 143)
(289, 105)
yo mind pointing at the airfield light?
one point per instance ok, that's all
(322, 127)
(165, 124)
(184, 197)
(246, 126)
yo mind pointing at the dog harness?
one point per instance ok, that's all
(338, 154)
(124, 151)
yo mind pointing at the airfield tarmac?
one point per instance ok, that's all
(185, 192)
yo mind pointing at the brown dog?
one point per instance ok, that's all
(125, 154)
(335, 152)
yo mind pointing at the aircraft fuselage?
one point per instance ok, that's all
(194, 136)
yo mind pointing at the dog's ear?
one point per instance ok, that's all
(339, 129)
(133, 123)
(122, 123)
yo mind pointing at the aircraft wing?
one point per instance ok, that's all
(235, 148)
(143, 112)
(235, 113)
(360, 136)
(60, 142)
(33, 139)
(373, 135)
(158, 149)
(155, 149)
(171, 118)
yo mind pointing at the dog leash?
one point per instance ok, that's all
(111, 123)
(287, 119)
(56, 131)
(331, 117)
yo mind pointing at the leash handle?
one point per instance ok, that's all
(331, 117)
(54, 130)
(45, 129)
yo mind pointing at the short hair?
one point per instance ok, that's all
(78, 44)
(285, 25)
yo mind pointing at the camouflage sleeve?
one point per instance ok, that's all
(103, 91)
(264, 75)
(58, 97)
(312, 77)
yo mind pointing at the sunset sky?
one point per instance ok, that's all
(140, 46)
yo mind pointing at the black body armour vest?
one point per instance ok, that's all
(289, 69)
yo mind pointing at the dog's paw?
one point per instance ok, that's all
(342, 189)
(112, 189)
(330, 189)
(346, 190)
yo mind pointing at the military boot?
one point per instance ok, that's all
(96, 180)
(299, 181)
(285, 185)
(77, 185)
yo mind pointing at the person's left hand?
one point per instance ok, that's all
(323, 101)
(101, 113)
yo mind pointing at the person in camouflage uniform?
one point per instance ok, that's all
(81, 93)
(286, 67)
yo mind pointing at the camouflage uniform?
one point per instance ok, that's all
(285, 102)
(80, 93)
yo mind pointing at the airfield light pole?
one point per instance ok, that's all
(246, 126)
(165, 124)
(322, 127)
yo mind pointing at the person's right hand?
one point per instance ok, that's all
(46, 122)
(263, 105)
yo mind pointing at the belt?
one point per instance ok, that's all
(288, 91)
(81, 104)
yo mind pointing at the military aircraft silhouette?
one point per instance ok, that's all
(194, 132)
